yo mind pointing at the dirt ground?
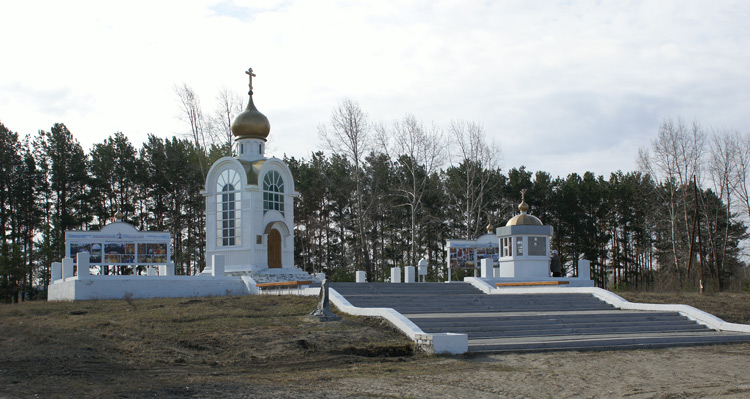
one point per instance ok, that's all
(265, 346)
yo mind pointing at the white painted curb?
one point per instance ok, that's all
(443, 343)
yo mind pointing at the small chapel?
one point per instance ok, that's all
(515, 254)
(250, 201)
(249, 234)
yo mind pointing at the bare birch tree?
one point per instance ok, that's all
(741, 176)
(230, 104)
(723, 149)
(192, 113)
(419, 151)
(478, 158)
(676, 158)
(349, 133)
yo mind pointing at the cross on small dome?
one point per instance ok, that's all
(524, 218)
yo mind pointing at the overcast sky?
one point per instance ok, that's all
(564, 86)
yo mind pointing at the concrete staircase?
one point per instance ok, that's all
(531, 322)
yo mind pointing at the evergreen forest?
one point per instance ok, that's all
(382, 195)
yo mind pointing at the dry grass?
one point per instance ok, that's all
(134, 346)
(731, 307)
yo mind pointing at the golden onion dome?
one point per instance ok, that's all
(524, 218)
(250, 123)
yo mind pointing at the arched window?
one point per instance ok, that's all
(273, 192)
(228, 209)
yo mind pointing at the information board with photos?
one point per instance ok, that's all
(120, 243)
(467, 254)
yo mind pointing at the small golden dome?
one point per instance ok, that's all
(251, 124)
(524, 218)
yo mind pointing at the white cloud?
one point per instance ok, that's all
(562, 86)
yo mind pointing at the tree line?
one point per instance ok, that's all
(50, 185)
(386, 195)
(678, 222)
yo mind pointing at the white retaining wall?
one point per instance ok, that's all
(442, 343)
(118, 287)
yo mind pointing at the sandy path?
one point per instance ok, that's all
(707, 371)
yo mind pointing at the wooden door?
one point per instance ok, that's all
(274, 249)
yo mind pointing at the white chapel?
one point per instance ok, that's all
(249, 235)
(250, 202)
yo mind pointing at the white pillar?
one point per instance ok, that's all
(448, 262)
(170, 269)
(67, 268)
(361, 276)
(217, 265)
(584, 269)
(486, 267)
(422, 270)
(409, 274)
(82, 260)
(56, 271)
(151, 271)
(396, 274)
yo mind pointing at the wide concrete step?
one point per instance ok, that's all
(603, 341)
(415, 288)
(479, 332)
(504, 298)
(478, 297)
(567, 323)
(549, 320)
(416, 310)
(440, 304)
(474, 307)
(541, 326)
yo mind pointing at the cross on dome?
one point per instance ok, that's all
(250, 73)
(250, 123)
(523, 206)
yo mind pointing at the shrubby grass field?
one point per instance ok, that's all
(258, 346)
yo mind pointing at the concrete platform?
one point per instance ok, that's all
(524, 322)
(118, 287)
